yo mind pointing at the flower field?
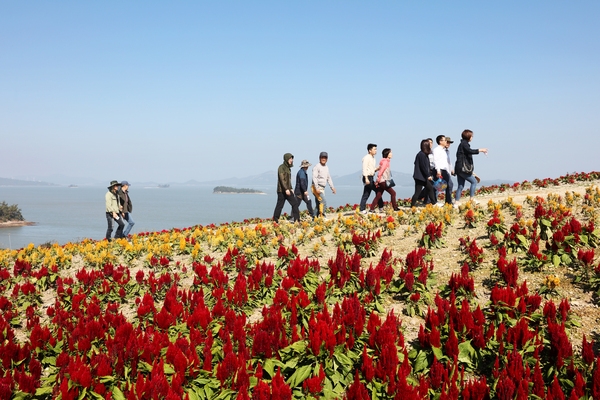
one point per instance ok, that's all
(490, 300)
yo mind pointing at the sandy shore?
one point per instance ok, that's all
(12, 224)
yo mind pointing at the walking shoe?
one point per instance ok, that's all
(364, 212)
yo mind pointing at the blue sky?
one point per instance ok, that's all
(172, 91)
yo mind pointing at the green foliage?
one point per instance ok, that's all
(10, 213)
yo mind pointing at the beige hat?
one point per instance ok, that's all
(305, 163)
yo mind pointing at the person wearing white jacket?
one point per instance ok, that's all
(441, 161)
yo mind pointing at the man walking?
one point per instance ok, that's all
(368, 170)
(113, 211)
(126, 207)
(441, 166)
(320, 179)
(301, 189)
(284, 189)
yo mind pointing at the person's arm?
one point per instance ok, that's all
(424, 166)
(365, 168)
(111, 204)
(383, 166)
(330, 182)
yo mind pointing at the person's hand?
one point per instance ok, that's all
(333, 190)
(115, 216)
(306, 194)
(485, 151)
(287, 192)
(367, 181)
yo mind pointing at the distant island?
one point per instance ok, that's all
(164, 185)
(230, 190)
(11, 216)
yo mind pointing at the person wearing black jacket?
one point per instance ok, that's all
(285, 190)
(126, 206)
(464, 164)
(422, 175)
(301, 189)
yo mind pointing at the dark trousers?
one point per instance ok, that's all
(367, 192)
(446, 176)
(427, 187)
(281, 198)
(120, 223)
(423, 194)
(308, 201)
(378, 198)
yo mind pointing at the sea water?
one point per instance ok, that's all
(63, 214)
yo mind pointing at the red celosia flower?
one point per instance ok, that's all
(587, 351)
(314, 385)
(280, 389)
(357, 390)
(596, 380)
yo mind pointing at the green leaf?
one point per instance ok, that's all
(299, 376)
(343, 359)
(192, 394)
(49, 361)
(566, 259)
(43, 391)
(438, 353)
(117, 394)
(466, 352)
(556, 260)
(421, 362)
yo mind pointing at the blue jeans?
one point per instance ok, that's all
(130, 224)
(461, 178)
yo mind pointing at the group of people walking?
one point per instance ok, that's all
(431, 164)
(118, 209)
(320, 179)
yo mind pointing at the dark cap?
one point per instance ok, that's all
(323, 155)
(125, 183)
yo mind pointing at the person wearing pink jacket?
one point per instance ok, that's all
(384, 181)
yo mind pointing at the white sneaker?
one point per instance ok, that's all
(365, 211)
(456, 204)
(440, 205)
(474, 201)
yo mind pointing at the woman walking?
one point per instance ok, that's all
(464, 165)
(384, 180)
(422, 175)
